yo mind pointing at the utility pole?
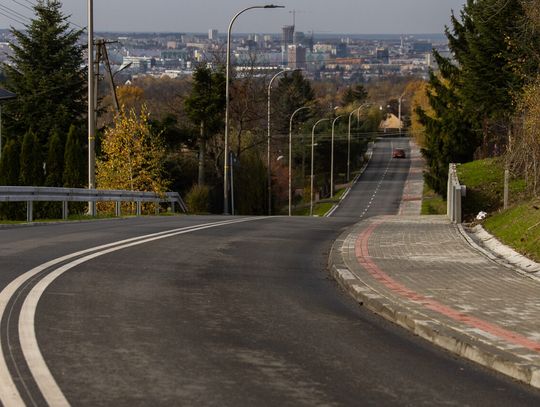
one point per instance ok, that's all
(91, 108)
(103, 55)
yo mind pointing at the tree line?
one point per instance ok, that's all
(168, 133)
(481, 101)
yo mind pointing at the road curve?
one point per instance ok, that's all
(239, 313)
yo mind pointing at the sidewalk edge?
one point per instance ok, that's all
(431, 330)
(514, 262)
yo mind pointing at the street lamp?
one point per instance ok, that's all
(312, 159)
(290, 155)
(227, 99)
(5, 95)
(332, 157)
(269, 139)
(349, 140)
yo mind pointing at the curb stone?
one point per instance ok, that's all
(436, 332)
(507, 257)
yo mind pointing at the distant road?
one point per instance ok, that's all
(213, 310)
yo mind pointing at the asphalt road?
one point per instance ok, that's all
(236, 314)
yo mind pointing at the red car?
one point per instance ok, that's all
(398, 153)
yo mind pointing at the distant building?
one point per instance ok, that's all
(421, 47)
(213, 35)
(287, 35)
(172, 45)
(296, 57)
(299, 38)
(341, 50)
(382, 55)
(138, 64)
(391, 122)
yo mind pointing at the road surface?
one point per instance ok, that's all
(215, 311)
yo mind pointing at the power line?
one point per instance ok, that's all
(14, 13)
(23, 5)
(33, 10)
(12, 18)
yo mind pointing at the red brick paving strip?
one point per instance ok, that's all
(365, 260)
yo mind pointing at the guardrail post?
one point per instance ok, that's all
(118, 209)
(65, 210)
(139, 208)
(172, 206)
(449, 195)
(157, 208)
(29, 211)
(92, 208)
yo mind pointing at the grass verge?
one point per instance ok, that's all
(518, 227)
(432, 203)
(484, 180)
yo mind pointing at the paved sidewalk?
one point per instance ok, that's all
(411, 202)
(421, 273)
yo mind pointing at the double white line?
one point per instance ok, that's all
(9, 394)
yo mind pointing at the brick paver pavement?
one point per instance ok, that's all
(421, 273)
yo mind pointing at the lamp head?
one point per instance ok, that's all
(273, 6)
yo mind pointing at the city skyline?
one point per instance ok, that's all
(347, 17)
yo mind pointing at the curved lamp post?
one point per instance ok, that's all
(332, 157)
(227, 99)
(349, 140)
(269, 138)
(312, 159)
(290, 155)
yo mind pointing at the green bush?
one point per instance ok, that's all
(197, 199)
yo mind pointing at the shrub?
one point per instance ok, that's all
(197, 199)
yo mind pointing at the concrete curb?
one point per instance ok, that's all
(498, 252)
(435, 331)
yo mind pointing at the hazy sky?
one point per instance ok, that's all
(336, 16)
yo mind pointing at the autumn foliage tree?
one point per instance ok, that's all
(132, 155)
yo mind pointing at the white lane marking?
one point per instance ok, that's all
(9, 394)
(27, 334)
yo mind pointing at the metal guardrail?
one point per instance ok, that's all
(65, 195)
(455, 193)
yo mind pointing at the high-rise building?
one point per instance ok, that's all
(296, 57)
(287, 35)
(213, 35)
(299, 38)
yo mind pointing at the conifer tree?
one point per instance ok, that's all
(9, 175)
(31, 172)
(9, 164)
(205, 106)
(74, 163)
(55, 161)
(46, 72)
(472, 97)
(292, 91)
